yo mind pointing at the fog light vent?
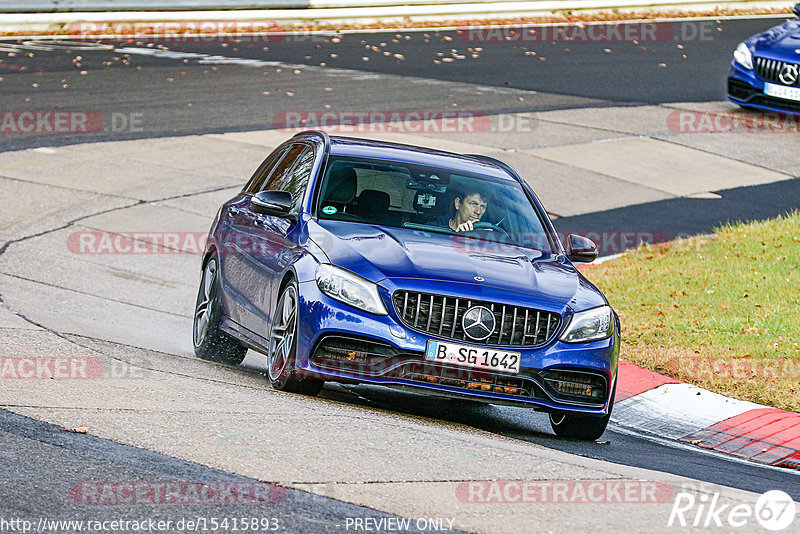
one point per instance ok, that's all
(589, 387)
(342, 353)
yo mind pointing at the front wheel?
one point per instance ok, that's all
(586, 427)
(210, 342)
(283, 348)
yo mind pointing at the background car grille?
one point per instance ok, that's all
(439, 315)
(769, 69)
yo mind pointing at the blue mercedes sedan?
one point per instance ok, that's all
(358, 261)
(765, 69)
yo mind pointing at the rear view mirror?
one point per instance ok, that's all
(581, 249)
(272, 202)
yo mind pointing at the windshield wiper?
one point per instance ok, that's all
(428, 228)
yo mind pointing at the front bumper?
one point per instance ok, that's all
(746, 89)
(339, 343)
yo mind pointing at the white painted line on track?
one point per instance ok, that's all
(210, 59)
(351, 73)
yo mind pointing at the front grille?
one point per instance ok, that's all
(770, 69)
(441, 316)
(468, 379)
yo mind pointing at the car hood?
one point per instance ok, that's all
(780, 42)
(377, 253)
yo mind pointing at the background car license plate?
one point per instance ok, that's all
(470, 356)
(781, 91)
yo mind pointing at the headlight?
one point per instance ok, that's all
(350, 289)
(590, 325)
(743, 56)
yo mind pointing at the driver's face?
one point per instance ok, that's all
(471, 208)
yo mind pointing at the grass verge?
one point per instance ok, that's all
(720, 312)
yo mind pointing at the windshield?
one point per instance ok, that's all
(405, 195)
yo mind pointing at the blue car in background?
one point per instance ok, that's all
(359, 261)
(765, 72)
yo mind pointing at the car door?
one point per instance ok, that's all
(261, 241)
(236, 233)
(282, 234)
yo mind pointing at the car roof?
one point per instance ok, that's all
(369, 148)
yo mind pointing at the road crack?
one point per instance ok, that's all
(69, 224)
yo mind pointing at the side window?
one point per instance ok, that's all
(263, 172)
(281, 172)
(297, 181)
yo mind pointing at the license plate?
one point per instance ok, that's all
(471, 356)
(781, 91)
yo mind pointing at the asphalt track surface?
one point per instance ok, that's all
(176, 97)
(684, 217)
(187, 95)
(165, 95)
(40, 461)
(623, 448)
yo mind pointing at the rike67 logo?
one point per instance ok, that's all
(774, 511)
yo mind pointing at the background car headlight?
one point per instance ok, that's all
(743, 56)
(350, 289)
(589, 325)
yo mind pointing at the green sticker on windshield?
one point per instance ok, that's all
(329, 210)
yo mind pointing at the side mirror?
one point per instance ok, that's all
(796, 10)
(581, 249)
(272, 203)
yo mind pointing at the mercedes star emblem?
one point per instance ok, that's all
(788, 74)
(478, 323)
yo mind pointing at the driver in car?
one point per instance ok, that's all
(470, 208)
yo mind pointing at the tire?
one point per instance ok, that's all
(584, 427)
(283, 348)
(211, 343)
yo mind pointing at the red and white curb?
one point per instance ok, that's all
(656, 404)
